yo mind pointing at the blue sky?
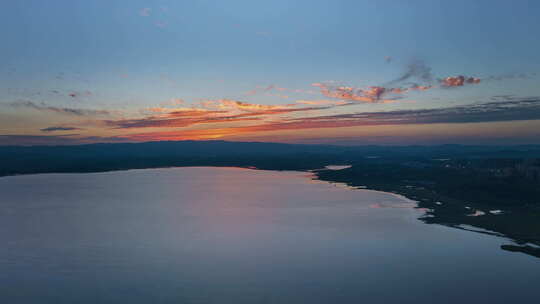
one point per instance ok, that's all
(130, 55)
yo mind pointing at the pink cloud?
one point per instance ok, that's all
(322, 102)
(458, 81)
(372, 94)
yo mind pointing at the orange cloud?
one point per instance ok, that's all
(416, 70)
(377, 94)
(344, 93)
(180, 118)
(519, 109)
(373, 94)
(322, 102)
(458, 81)
(214, 111)
(228, 104)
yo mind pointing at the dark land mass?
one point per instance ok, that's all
(493, 188)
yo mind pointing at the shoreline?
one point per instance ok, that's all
(431, 203)
(435, 204)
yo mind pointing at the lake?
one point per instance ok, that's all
(230, 235)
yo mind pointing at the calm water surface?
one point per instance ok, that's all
(226, 235)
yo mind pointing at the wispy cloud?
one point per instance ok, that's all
(182, 118)
(416, 77)
(323, 102)
(156, 13)
(510, 110)
(372, 94)
(415, 70)
(145, 12)
(213, 111)
(509, 76)
(504, 109)
(229, 104)
(76, 94)
(47, 93)
(61, 110)
(58, 128)
(67, 139)
(161, 24)
(260, 89)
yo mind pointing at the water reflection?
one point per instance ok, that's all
(226, 235)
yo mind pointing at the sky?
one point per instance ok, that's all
(333, 72)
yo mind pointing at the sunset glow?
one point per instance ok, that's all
(189, 76)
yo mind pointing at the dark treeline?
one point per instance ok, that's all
(106, 157)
